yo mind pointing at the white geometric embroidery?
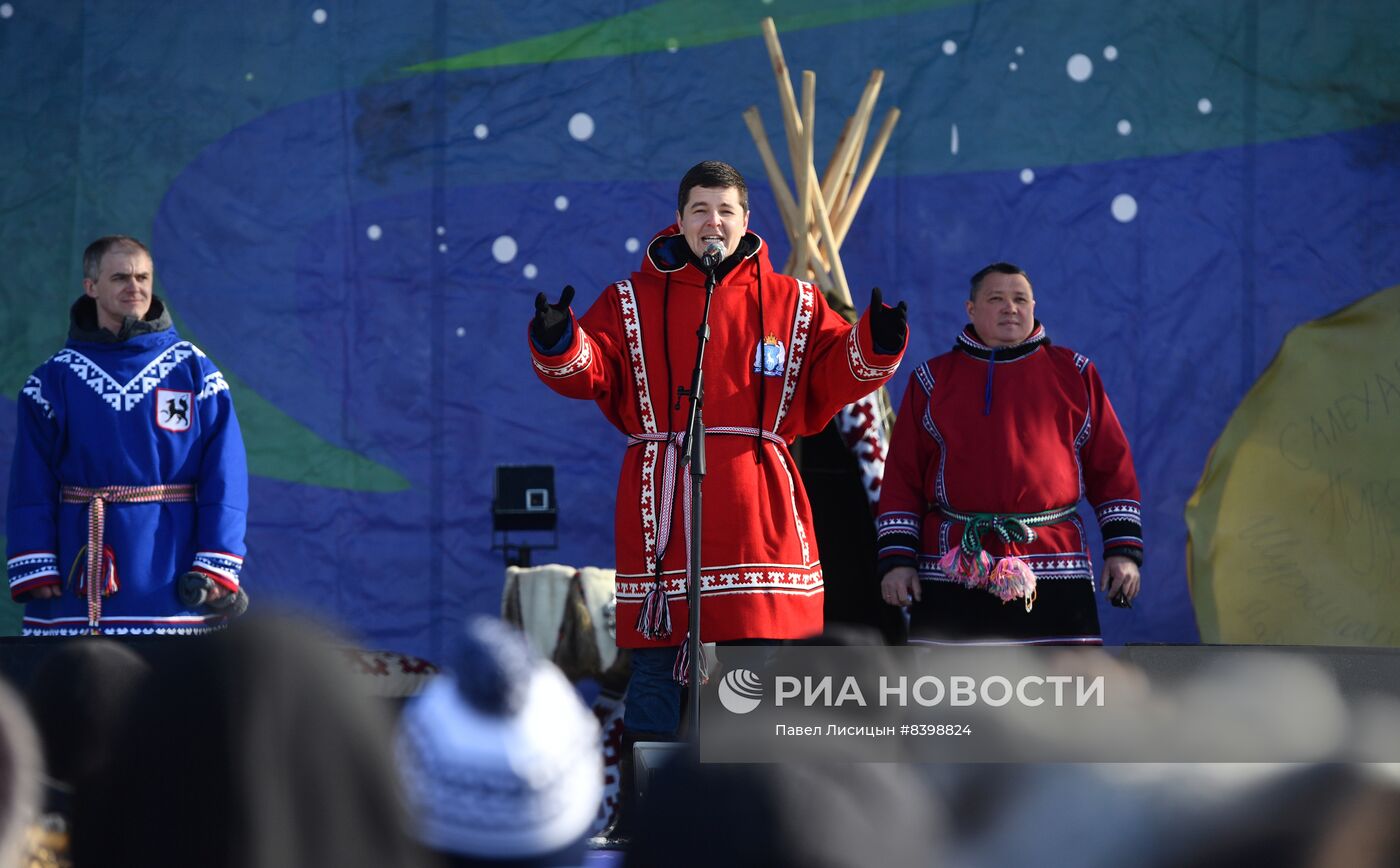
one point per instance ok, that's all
(862, 369)
(582, 359)
(213, 384)
(35, 390)
(122, 398)
(925, 378)
(632, 331)
(792, 500)
(801, 331)
(792, 580)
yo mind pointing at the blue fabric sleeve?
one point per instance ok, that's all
(223, 484)
(32, 511)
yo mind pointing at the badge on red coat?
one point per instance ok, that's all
(770, 357)
(173, 409)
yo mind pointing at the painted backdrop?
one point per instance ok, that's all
(352, 206)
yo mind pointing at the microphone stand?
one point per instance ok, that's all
(693, 454)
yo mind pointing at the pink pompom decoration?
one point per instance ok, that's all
(970, 571)
(981, 570)
(1011, 579)
(948, 564)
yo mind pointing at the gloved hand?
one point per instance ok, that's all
(551, 320)
(194, 590)
(888, 325)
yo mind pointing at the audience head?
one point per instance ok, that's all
(790, 815)
(20, 769)
(251, 748)
(503, 762)
(78, 696)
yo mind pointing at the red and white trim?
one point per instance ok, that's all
(572, 363)
(862, 368)
(797, 348)
(653, 521)
(184, 625)
(222, 567)
(728, 580)
(30, 570)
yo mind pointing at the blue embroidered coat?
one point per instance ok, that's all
(148, 410)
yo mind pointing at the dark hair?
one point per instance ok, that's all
(265, 727)
(78, 696)
(92, 257)
(994, 268)
(712, 173)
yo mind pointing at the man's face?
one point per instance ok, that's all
(1003, 311)
(123, 286)
(713, 214)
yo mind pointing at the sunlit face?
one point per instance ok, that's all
(1003, 311)
(713, 214)
(122, 287)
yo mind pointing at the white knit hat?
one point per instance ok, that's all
(500, 757)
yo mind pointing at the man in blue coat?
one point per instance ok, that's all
(129, 471)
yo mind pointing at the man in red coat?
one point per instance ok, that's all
(779, 364)
(995, 445)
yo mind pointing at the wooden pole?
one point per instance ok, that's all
(837, 201)
(867, 172)
(833, 170)
(846, 147)
(837, 280)
(787, 207)
(803, 171)
(786, 100)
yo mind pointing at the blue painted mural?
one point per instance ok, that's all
(351, 209)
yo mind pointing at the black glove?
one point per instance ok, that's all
(194, 591)
(551, 320)
(888, 325)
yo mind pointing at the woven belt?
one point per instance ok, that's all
(674, 442)
(1012, 527)
(97, 500)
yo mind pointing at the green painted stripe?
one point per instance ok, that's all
(673, 24)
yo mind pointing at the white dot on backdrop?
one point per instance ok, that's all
(530, 271)
(1020, 50)
(1079, 67)
(1110, 52)
(248, 77)
(442, 248)
(950, 47)
(504, 248)
(581, 126)
(1124, 127)
(1124, 208)
(1204, 106)
(442, 230)
(461, 332)
(632, 245)
(481, 131)
(953, 140)
(673, 45)
(1013, 66)
(374, 232)
(1027, 176)
(561, 203)
(6, 10)
(319, 16)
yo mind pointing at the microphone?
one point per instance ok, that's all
(194, 593)
(713, 255)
